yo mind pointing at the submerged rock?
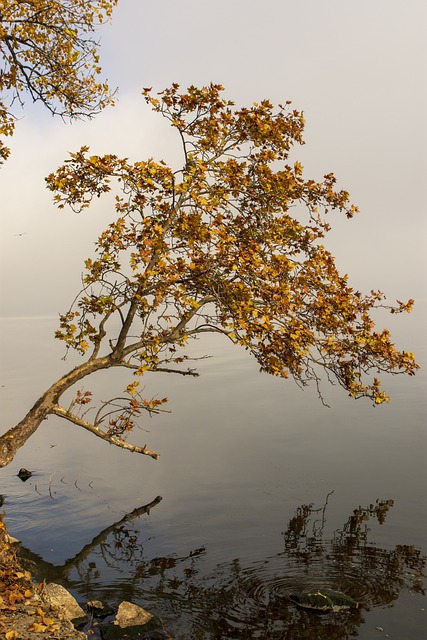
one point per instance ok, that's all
(324, 600)
(99, 609)
(24, 474)
(93, 631)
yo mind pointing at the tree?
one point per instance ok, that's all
(230, 244)
(48, 52)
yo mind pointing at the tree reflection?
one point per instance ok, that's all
(373, 575)
(234, 601)
(117, 543)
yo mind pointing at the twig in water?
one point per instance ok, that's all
(50, 486)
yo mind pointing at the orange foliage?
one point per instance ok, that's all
(231, 243)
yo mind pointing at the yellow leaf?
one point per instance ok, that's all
(38, 628)
(9, 635)
(15, 597)
(298, 168)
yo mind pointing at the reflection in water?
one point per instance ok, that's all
(232, 601)
(122, 547)
(372, 575)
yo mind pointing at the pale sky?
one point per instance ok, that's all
(357, 70)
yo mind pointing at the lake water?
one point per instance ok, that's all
(258, 482)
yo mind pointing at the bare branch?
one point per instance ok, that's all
(186, 372)
(63, 413)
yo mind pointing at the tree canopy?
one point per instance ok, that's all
(230, 243)
(48, 52)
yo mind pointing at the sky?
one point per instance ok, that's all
(356, 69)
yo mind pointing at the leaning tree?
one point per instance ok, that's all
(231, 244)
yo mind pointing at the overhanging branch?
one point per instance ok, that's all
(71, 417)
(181, 372)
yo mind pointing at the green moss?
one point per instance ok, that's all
(324, 600)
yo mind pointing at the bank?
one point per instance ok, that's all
(30, 611)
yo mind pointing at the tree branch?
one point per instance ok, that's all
(63, 413)
(186, 372)
(155, 369)
(175, 333)
(178, 331)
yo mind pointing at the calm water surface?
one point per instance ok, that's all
(260, 492)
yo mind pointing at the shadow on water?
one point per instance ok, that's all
(233, 601)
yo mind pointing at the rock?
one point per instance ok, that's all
(99, 609)
(57, 596)
(130, 615)
(93, 631)
(24, 474)
(137, 623)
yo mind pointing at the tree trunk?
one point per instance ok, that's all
(17, 436)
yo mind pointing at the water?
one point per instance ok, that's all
(258, 485)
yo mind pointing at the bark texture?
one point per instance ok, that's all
(48, 403)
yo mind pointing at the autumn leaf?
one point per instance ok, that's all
(14, 597)
(23, 574)
(37, 627)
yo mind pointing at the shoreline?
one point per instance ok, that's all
(26, 610)
(33, 611)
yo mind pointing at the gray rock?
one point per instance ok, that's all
(57, 596)
(135, 622)
(130, 615)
